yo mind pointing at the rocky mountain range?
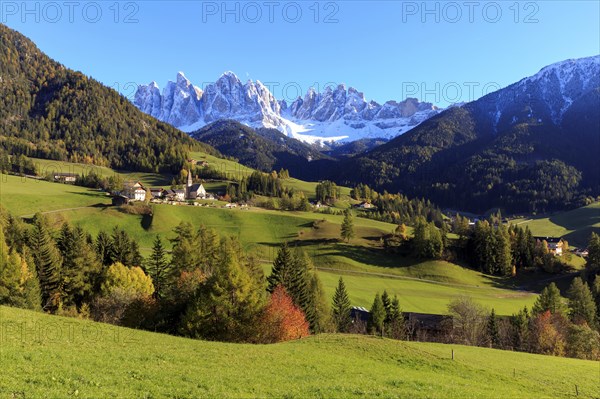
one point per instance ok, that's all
(336, 114)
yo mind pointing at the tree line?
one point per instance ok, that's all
(396, 208)
(205, 286)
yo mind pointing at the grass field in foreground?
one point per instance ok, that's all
(58, 357)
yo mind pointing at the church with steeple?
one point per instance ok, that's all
(194, 191)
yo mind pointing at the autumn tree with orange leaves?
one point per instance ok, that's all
(282, 320)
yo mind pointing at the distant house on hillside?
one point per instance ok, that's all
(157, 192)
(554, 244)
(358, 313)
(135, 191)
(365, 205)
(179, 195)
(65, 177)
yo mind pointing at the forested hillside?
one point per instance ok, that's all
(531, 147)
(262, 149)
(50, 111)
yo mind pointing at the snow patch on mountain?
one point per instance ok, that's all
(337, 114)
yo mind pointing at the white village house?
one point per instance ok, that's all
(135, 191)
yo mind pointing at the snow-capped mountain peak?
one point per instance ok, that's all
(338, 113)
(547, 95)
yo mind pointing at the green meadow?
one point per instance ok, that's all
(575, 226)
(54, 357)
(422, 286)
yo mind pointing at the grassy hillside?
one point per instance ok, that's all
(60, 357)
(576, 225)
(366, 268)
(23, 196)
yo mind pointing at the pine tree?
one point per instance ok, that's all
(32, 296)
(103, 248)
(158, 268)
(593, 259)
(347, 232)
(47, 262)
(492, 330)
(310, 294)
(520, 328)
(124, 249)
(228, 303)
(596, 294)
(396, 326)
(377, 318)
(549, 300)
(387, 305)
(341, 308)
(581, 303)
(284, 271)
(80, 268)
(10, 274)
(502, 257)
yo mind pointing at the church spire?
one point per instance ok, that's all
(189, 178)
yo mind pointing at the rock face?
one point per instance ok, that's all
(338, 114)
(178, 105)
(545, 97)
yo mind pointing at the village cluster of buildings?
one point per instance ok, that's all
(136, 191)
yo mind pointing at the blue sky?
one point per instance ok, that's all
(437, 51)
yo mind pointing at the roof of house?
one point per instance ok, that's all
(549, 240)
(426, 320)
(61, 174)
(119, 196)
(197, 187)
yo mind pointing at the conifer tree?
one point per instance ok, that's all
(80, 268)
(593, 259)
(47, 262)
(396, 326)
(228, 303)
(549, 300)
(502, 258)
(520, 328)
(492, 330)
(124, 249)
(347, 231)
(582, 307)
(158, 268)
(596, 294)
(377, 318)
(284, 271)
(387, 305)
(311, 297)
(31, 286)
(103, 248)
(341, 308)
(10, 274)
